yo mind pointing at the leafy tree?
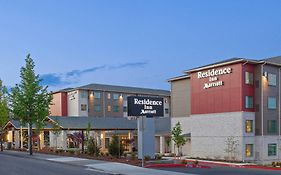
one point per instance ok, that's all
(115, 147)
(4, 111)
(92, 147)
(177, 136)
(29, 100)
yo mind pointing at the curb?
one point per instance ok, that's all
(211, 163)
(175, 166)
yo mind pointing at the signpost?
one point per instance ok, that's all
(145, 108)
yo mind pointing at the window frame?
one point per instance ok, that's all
(251, 148)
(251, 126)
(269, 151)
(246, 102)
(268, 100)
(95, 108)
(249, 78)
(270, 76)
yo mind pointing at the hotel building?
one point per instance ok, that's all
(104, 108)
(230, 109)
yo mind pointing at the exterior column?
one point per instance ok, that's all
(17, 141)
(102, 137)
(162, 144)
(41, 136)
(130, 137)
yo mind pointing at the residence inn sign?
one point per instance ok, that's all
(213, 76)
(145, 106)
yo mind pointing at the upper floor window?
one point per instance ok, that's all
(249, 102)
(166, 111)
(271, 126)
(97, 108)
(271, 103)
(271, 79)
(108, 108)
(249, 78)
(115, 108)
(272, 149)
(249, 126)
(108, 95)
(84, 94)
(83, 107)
(115, 96)
(97, 95)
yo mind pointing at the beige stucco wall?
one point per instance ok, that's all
(180, 98)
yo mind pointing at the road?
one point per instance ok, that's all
(215, 170)
(12, 165)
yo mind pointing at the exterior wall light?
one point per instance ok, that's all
(265, 74)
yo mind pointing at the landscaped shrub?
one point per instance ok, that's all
(115, 147)
(158, 156)
(92, 148)
(147, 157)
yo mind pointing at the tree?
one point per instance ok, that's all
(231, 147)
(92, 147)
(4, 111)
(177, 136)
(115, 147)
(29, 100)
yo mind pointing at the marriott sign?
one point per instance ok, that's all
(213, 74)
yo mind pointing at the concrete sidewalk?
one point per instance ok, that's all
(96, 165)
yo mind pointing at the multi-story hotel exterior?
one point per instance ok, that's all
(233, 102)
(101, 100)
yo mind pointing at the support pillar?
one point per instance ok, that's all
(162, 144)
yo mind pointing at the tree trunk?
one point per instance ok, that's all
(1, 140)
(30, 138)
(83, 141)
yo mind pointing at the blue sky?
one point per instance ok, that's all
(136, 43)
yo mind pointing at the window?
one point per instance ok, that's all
(271, 103)
(271, 79)
(115, 96)
(84, 94)
(271, 126)
(97, 95)
(249, 150)
(249, 102)
(115, 108)
(249, 126)
(108, 95)
(108, 108)
(249, 78)
(97, 108)
(271, 149)
(166, 111)
(125, 96)
(125, 109)
(83, 107)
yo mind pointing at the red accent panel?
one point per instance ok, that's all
(248, 90)
(64, 104)
(226, 98)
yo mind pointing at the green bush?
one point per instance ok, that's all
(147, 157)
(115, 147)
(92, 148)
(158, 156)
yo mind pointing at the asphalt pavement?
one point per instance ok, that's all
(217, 170)
(18, 165)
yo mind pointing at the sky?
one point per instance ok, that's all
(138, 43)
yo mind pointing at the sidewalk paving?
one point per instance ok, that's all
(96, 165)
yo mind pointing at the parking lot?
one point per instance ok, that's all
(217, 170)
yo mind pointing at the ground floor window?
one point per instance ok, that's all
(249, 150)
(272, 149)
